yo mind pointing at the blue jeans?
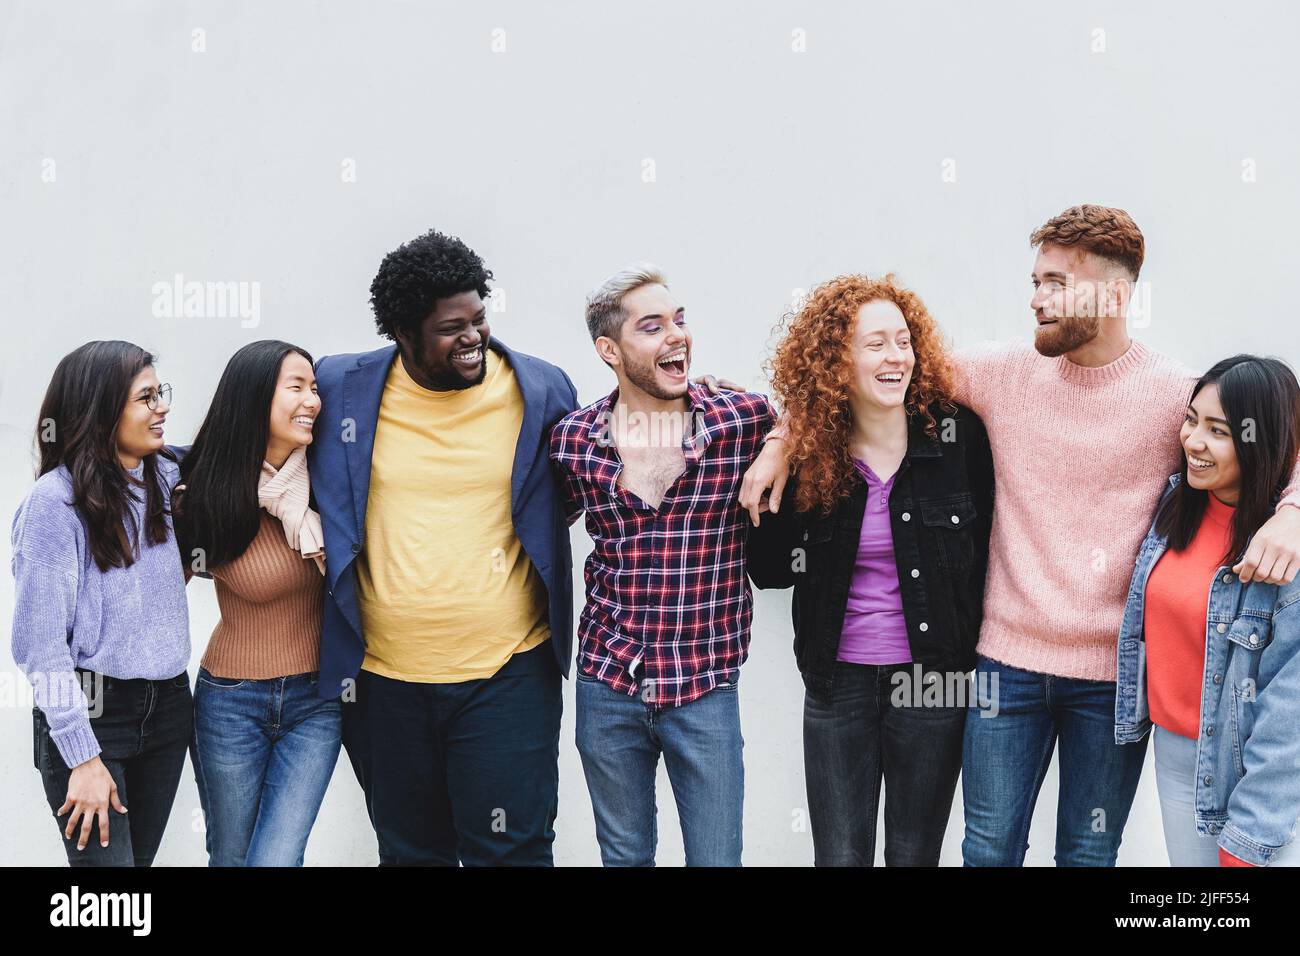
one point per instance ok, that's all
(1176, 783)
(263, 754)
(1005, 758)
(461, 773)
(620, 739)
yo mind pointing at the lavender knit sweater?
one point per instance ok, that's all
(125, 622)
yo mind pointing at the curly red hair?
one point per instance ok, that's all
(812, 371)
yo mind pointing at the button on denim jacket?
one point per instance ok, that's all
(1248, 748)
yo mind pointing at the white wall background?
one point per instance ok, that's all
(774, 169)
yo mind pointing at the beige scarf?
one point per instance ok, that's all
(286, 495)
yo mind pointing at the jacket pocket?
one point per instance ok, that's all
(1251, 632)
(819, 530)
(225, 683)
(1243, 722)
(812, 550)
(1247, 637)
(951, 527)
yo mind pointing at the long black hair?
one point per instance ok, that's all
(77, 428)
(1261, 399)
(217, 515)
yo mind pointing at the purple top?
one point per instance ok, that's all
(875, 631)
(124, 622)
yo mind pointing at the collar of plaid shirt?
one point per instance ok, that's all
(668, 605)
(601, 447)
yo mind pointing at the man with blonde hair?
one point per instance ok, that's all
(656, 466)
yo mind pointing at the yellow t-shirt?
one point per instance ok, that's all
(447, 592)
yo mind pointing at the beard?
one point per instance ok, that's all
(645, 376)
(1066, 335)
(444, 375)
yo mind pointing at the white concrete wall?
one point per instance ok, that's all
(773, 169)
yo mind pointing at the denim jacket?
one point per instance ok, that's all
(1248, 748)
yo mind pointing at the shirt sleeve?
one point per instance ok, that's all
(979, 372)
(765, 421)
(1291, 493)
(1178, 395)
(1265, 803)
(770, 549)
(566, 483)
(979, 470)
(46, 567)
(1227, 859)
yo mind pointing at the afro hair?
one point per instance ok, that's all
(415, 275)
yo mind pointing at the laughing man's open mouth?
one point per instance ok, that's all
(674, 362)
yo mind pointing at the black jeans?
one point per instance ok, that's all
(143, 729)
(460, 773)
(872, 727)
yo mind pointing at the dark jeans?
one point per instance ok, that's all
(143, 731)
(872, 727)
(1015, 720)
(465, 772)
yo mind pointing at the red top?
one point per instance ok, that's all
(1177, 603)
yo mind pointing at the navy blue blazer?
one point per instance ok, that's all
(350, 388)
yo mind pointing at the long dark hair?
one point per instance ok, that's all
(1259, 395)
(77, 428)
(217, 513)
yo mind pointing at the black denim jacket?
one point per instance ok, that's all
(941, 512)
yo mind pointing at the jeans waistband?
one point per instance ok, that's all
(127, 683)
(305, 675)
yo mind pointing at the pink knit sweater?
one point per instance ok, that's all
(1081, 456)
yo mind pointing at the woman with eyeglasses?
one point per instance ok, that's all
(100, 624)
(265, 741)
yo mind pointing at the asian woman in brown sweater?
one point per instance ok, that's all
(265, 742)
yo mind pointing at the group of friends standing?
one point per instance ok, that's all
(388, 534)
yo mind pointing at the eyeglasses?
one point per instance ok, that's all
(163, 395)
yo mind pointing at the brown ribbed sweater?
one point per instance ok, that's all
(270, 600)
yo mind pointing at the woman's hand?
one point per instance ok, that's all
(90, 791)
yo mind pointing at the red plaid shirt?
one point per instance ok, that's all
(668, 603)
